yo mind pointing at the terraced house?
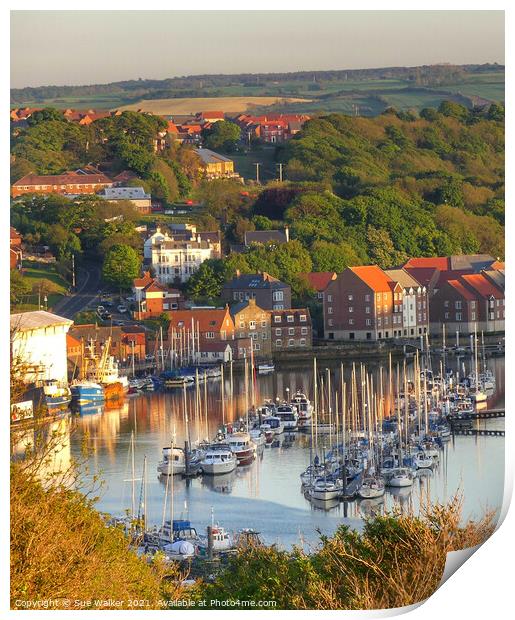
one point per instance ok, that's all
(251, 321)
(291, 329)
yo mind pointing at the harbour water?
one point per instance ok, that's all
(267, 494)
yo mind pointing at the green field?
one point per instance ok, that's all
(244, 164)
(371, 96)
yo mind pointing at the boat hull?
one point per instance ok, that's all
(87, 394)
(218, 469)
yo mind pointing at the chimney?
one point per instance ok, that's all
(287, 233)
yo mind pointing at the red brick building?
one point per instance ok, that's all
(363, 303)
(15, 251)
(208, 324)
(153, 298)
(291, 329)
(69, 183)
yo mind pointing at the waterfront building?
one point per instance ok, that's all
(415, 303)
(291, 329)
(38, 343)
(471, 301)
(175, 257)
(268, 292)
(363, 303)
(199, 327)
(125, 341)
(252, 321)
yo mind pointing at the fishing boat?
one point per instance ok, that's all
(218, 459)
(258, 437)
(57, 396)
(265, 368)
(87, 392)
(103, 369)
(371, 487)
(242, 447)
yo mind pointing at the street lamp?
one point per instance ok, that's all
(45, 299)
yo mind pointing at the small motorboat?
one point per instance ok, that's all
(242, 447)
(174, 462)
(218, 459)
(268, 432)
(275, 423)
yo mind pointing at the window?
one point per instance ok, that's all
(329, 298)
(302, 342)
(277, 318)
(446, 315)
(264, 336)
(330, 322)
(278, 296)
(303, 318)
(385, 308)
(457, 305)
(278, 343)
(290, 318)
(263, 323)
(350, 297)
(458, 316)
(291, 331)
(473, 316)
(351, 309)
(330, 310)
(210, 335)
(497, 303)
(278, 331)
(368, 322)
(256, 346)
(254, 336)
(367, 297)
(385, 296)
(367, 309)
(291, 342)
(492, 315)
(252, 324)
(234, 295)
(278, 306)
(242, 324)
(304, 331)
(379, 297)
(351, 321)
(446, 303)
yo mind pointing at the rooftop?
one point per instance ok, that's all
(210, 157)
(37, 319)
(319, 279)
(482, 285)
(255, 280)
(405, 279)
(374, 277)
(125, 193)
(63, 179)
(465, 293)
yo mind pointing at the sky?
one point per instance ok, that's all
(95, 47)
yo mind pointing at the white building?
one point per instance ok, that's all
(137, 195)
(415, 303)
(176, 257)
(38, 341)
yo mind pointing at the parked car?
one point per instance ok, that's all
(131, 299)
(121, 308)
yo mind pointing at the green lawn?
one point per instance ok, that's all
(244, 164)
(43, 280)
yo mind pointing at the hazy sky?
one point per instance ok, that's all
(91, 47)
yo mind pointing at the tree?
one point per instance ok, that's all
(222, 135)
(46, 114)
(19, 287)
(121, 265)
(333, 256)
(381, 249)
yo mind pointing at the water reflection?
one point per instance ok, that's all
(266, 495)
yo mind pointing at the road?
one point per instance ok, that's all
(88, 283)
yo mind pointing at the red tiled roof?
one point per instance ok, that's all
(205, 320)
(498, 265)
(143, 281)
(319, 280)
(154, 286)
(212, 114)
(443, 276)
(69, 178)
(482, 285)
(423, 275)
(437, 262)
(374, 277)
(466, 294)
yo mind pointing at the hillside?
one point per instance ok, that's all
(365, 91)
